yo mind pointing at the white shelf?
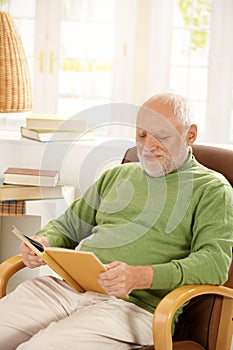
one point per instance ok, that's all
(38, 214)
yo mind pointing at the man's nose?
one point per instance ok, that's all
(151, 143)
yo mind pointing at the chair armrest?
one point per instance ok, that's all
(166, 309)
(7, 269)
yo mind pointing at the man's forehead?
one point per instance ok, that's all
(149, 119)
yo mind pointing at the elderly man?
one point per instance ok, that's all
(151, 223)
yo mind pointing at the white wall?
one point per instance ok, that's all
(79, 163)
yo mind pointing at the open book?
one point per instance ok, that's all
(78, 268)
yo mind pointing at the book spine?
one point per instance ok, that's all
(60, 271)
(12, 208)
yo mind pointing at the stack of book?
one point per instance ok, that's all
(28, 184)
(45, 128)
(12, 208)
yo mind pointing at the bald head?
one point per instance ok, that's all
(171, 106)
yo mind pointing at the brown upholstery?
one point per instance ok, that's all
(179, 345)
(198, 325)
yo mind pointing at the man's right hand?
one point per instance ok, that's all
(30, 259)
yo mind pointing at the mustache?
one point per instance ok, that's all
(151, 153)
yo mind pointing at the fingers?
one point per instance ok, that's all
(116, 280)
(42, 240)
(30, 259)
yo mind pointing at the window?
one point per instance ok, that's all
(85, 76)
(191, 51)
(84, 53)
(71, 47)
(189, 59)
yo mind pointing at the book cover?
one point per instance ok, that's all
(80, 269)
(55, 135)
(17, 192)
(53, 122)
(33, 177)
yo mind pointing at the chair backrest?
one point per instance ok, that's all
(200, 319)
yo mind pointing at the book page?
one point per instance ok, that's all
(35, 246)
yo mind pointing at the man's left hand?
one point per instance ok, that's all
(120, 278)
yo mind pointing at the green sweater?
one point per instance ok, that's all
(181, 224)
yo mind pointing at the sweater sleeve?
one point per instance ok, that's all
(211, 247)
(77, 222)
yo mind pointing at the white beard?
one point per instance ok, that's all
(153, 167)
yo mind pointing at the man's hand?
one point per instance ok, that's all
(120, 278)
(30, 259)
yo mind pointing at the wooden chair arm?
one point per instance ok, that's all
(166, 309)
(7, 269)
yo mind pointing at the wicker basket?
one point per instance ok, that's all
(15, 82)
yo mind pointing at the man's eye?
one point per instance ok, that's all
(141, 134)
(162, 137)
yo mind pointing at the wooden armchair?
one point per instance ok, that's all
(206, 322)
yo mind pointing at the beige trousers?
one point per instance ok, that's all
(46, 313)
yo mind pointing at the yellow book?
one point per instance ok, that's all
(78, 268)
(56, 135)
(50, 121)
(18, 192)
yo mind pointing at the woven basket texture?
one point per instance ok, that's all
(15, 81)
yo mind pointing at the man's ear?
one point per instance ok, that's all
(192, 134)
